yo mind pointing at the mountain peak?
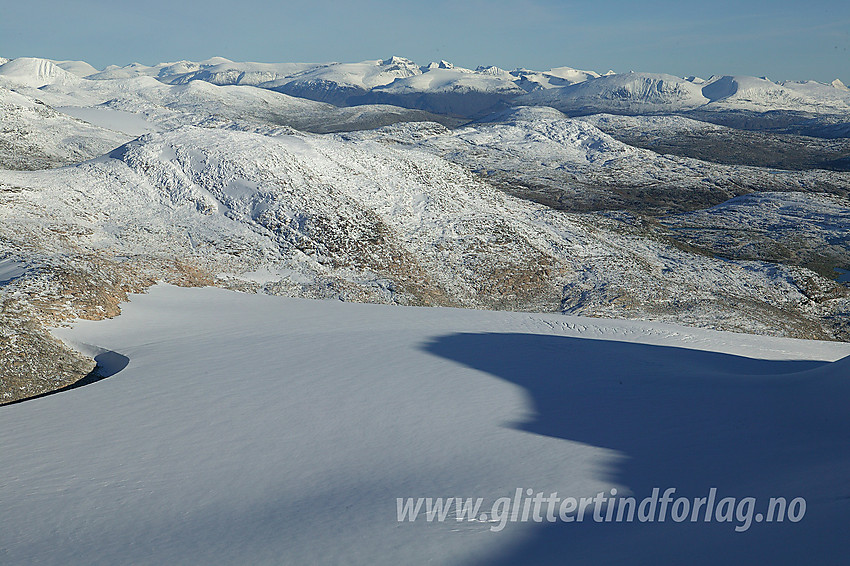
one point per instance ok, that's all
(491, 70)
(443, 64)
(396, 60)
(35, 72)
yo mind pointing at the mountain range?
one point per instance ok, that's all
(618, 195)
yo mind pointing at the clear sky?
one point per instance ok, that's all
(780, 39)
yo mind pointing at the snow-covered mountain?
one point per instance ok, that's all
(341, 83)
(79, 68)
(142, 103)
(35, 136)
(622, 93)
(647, 93)
(220, 71)
(444, 88)
(208, 425)
(365, 218)
(178, 71)
(539, 153)
(523, 209)
(758, 94)
(35, 73)
(687, 137)
(392, 80)
(809, 230)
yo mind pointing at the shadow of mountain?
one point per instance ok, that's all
(108, 363)
(686, 419)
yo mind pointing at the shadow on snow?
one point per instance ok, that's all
(108, 363)
(686, 419)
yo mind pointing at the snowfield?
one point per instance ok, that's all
(266, 430)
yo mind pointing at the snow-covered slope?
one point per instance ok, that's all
(440, 87)
(169, 71)
(807, 229)
(35, 73)
(738, 101)
(34, 136)
(364, 219)
(140, 104)
(261, 430)
(568, 75)
(758, 94)
(225, 72)
(835, 92)
(341, 83)
(364, 75)
(446, 89)
(687, 137)
(220, 189)
(79, 68)
(622, 93)
(570, 164)
(435, 87)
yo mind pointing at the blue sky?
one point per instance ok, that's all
(780, 39)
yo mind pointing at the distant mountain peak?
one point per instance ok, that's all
(443, 64)
(216, 61)
(36, 72)
(396, 60)
(491, 70)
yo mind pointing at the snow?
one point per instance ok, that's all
(751, 92)
(639, 92)
(666, 124)
(816, 227)
(226, 72)
(364, 75)
(307, 206)
(164, 71)
(444, 78)
(79, 68)
(10, 269)
(37, 136)
(142, 104)
(35, 73)
(130, 123)
(238, 428)
(398, 80)
(835, 93)
(568, 75)
(260, 430)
